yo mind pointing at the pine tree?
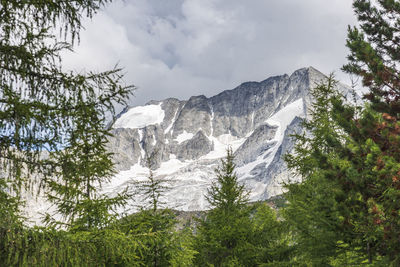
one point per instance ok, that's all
(337, 211)
(374, 52)
(351, 161)
(374, 56)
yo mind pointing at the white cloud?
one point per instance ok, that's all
(179, 48)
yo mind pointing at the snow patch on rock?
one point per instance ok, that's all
(183, 137)
(281, 119)
(221, 144)
(286, 115)
(141, 116)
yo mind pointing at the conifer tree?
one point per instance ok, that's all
(350, 164)
(155, 220)
(374, 56)
(164, 245)
(53, 132)
(337, 210)
(374, 52)
(44, 108)
(223, 235)
(270, 238)
(83, 165)
(226, 193)
(312, 209)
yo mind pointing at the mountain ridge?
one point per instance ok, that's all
(254, 118)
(186, 139)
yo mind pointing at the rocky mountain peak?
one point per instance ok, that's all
(186, 138)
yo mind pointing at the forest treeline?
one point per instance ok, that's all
(345, 211)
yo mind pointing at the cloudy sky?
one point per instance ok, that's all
(180, 48)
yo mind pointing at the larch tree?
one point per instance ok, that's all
(155, 219)
(52, 119)
(53, 132)
(156, 224)
(320, 205)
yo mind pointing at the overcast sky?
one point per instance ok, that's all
(180, 48)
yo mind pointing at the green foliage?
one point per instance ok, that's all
(38, 100)
(155, 227)
(350, 160)
(222, 236)
(235, 233)
(226, 194)
(344, 208)
(50, 247)
(152, 190)
(157, 223)
(270, 238)
(312, 210)
(44, 108)
(374, 56)
(182, 253)
(53, 132)
(374, 52)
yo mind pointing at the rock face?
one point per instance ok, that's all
(186, 139)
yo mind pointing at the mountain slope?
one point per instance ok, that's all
(186, 139)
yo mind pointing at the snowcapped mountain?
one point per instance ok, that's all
(186, 139)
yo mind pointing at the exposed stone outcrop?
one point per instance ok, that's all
(255, 118)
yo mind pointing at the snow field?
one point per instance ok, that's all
(141, 116)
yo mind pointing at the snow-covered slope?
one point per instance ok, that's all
(139, 117)
(186, 139)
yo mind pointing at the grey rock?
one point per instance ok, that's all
(278, 167)
(194, 148)
(240, 114)
(256, 144)
(126, 147)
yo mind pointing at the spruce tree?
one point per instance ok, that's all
(226, 193)
(223, 235)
